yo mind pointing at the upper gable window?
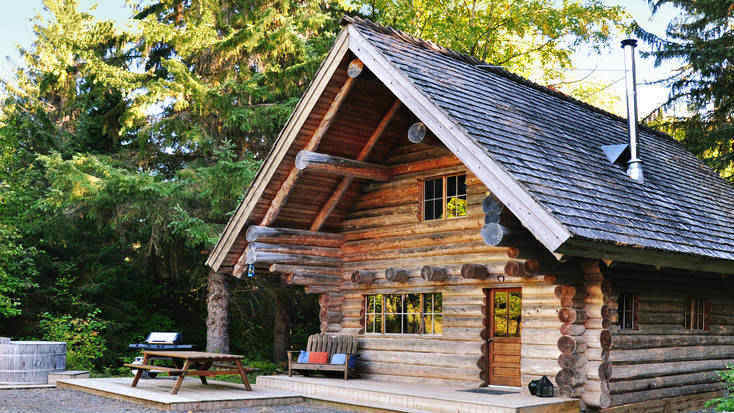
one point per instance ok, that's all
(444, 197)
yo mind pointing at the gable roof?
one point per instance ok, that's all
(539, 152)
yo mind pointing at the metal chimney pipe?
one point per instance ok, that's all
(634, 166)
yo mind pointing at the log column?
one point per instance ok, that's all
(593, 303)
(571, 344)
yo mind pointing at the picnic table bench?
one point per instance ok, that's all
(195, 363)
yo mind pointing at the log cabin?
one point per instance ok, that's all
(473, 228)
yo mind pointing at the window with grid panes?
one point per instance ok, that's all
(627, 312)
(419, 313)
(444, 197)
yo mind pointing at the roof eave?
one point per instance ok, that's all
(587, 248)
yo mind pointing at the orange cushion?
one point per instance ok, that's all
(320, 357)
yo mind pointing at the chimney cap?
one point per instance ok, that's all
(629, 42)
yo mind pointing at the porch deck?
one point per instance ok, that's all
(192, 396)
(372, 394)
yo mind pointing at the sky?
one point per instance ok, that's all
(17, 29)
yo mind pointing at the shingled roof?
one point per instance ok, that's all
(539, 152)
(551, 145)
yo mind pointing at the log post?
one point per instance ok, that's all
(593, 302)
(217, 320)
(430, 273)
(572, 344)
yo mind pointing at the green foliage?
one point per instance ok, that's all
(17, 271)
(725, 403)
(701, 42)
(524, 36)
(85, 343)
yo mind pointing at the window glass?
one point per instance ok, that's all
(500, 314)
(433, 199)
(439, 205)
(514, 314)
(414, 313)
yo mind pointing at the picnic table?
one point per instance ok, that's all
(195, 363)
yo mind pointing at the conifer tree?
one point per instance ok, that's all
(701, 42)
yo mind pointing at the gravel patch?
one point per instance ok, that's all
(71, 401)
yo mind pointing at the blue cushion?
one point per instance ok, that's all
(338, 358)
(353, 361)
(303, 357)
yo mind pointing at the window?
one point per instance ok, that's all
(627, 312)
(696, 314)
(403, 314)
(444, 197)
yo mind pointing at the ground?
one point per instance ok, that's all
(70, 401)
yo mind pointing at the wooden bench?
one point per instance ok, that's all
(332, 344)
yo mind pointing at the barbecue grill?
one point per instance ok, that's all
(159, 341)
(162, 341)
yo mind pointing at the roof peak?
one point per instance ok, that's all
(482, 65)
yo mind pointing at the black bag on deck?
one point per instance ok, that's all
(541, 387)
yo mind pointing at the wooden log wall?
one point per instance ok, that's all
(661, 359)
(385, 238)
(541, 332)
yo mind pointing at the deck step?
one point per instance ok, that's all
(413, 398)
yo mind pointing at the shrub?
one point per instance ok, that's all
(726, 403)
(85, 344)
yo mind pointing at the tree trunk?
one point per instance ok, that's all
(281, 323)
(217, 322)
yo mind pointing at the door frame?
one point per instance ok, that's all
(489, 340)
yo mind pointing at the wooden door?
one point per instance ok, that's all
(503, 318)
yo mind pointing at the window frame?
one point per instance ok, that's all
(444, 197)
(403, 314)
(696, 314)
(624, 300)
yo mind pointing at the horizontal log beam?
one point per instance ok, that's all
(295, 249)
(342, 166)
(306, 269)
(296, 236)
(266, 257)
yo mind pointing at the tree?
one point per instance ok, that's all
(530, 37)
(17, 271)
(701, 42)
